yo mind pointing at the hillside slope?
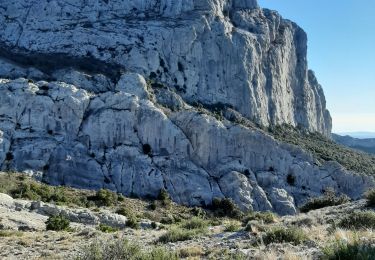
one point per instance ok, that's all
(366, 145)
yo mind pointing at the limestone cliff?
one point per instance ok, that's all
(211, 51)
(114, 95)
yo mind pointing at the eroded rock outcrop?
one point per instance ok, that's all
(112, 95)
(135, 146)
(228, 52)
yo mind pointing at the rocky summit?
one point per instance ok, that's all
(137, 96)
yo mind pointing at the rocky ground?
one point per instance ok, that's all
(24, 236)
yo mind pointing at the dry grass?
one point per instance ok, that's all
(192, 251)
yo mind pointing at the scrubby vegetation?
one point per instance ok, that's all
(226, 208)
(121, 249)
(107, 229)
(167, 222)
(58, 223)
(186, 230)
(328, 199)
(24, 187)
(265, 217)
(342, 250)
(106, 198)
(232, 226)
(291, 235)
(325, 149)
(358, 220)
(164, 197)
(10, 233)
(370, 196)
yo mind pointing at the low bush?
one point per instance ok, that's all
(107, 229)
(123, 250)
(358, 220)
(191, 252)
(232, 226)
(154, 225)
(58, 223)
(132, 222)
(106, 198)
(186, 230)
(226, 208)
(291, 235)
(124, 211)
(327, 200)
(194, 223)
(175, 234)
(164, 197)
(265, 217)
(349, 251)
(370, 196)
(10, 233)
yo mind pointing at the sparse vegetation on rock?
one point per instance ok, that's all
(358, 220)
(265, 217)
(328, 199)
(370, 196)
(291, 235)
(107, 229)
(225, 207)
(122, 249)
(342, 250)
(325, 149)
(58, 223)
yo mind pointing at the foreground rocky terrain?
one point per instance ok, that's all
(24, 235)
(142, 96)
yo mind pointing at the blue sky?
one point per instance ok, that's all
(341, 51)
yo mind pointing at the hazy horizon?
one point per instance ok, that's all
(340, 51)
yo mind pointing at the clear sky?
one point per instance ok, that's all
(341, 51)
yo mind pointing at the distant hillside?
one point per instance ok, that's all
(359, 135)
(367, 145)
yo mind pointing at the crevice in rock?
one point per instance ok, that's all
(50, 62)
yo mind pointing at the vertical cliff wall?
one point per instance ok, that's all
(111, 94)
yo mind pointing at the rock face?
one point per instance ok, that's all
(210, 51)
(114, 92)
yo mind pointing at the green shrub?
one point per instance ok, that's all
(349, 251)
(370, 196)
(327, 200)
(358, 220)
(226, 208)
(232, 226)
(153, 205)
(164, 197)
(175, 234)
(265, 217)
(198, 212)
(132, 222)
(106, 197)
(186, 230)
(194, 223)
(191, 252)
(123, 250)
(107, 229)
(291, 235)
(58, 223)
(10, 233)
(154, 225)
(124, 212)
